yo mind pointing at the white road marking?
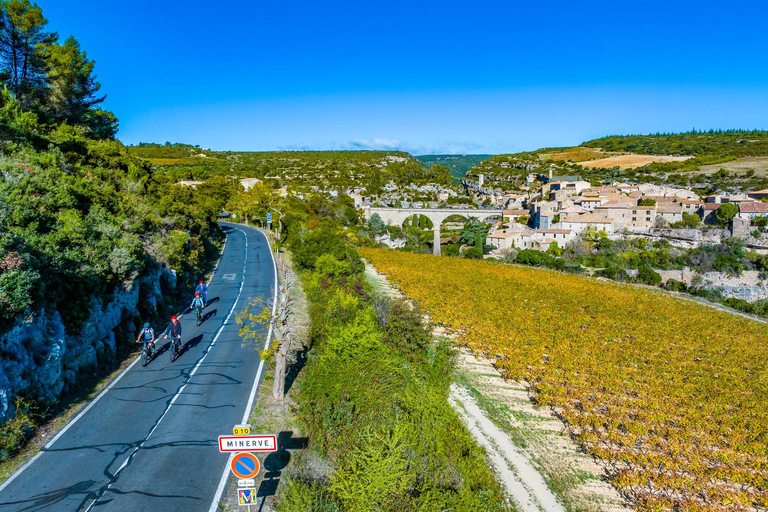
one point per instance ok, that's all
(249, 406)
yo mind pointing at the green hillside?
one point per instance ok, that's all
(718, 161)
(367, 170)
(458, 164)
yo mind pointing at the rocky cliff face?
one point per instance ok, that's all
(38, 358)
(748, 286)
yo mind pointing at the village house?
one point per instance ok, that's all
(749, 211)
(671, 212)
(580, 223)
(707, 212)
(192, 184)
(561, 236)
(758, 195)
(249, 183)
(514, 215)
(591, 202)
(625, 213)
(509, 237)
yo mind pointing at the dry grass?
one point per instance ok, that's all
(630, 161)
(577, 154)
(759, 164)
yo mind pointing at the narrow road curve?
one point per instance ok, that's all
(149, 440)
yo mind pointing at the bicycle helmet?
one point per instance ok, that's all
(197, 295)
(146, 325)
(201, 282)
(173, 317)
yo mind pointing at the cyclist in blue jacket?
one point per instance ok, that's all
(147, 335)
(197, 302)
(202, 289)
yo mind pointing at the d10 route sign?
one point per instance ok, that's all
(256, 443)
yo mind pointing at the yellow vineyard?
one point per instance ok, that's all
(671, 395)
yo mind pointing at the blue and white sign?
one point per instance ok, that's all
(269, 217)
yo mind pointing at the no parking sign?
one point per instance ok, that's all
(245, 465)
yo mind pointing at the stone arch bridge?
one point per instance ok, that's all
(398, 216)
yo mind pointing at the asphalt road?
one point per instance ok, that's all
(149, 442)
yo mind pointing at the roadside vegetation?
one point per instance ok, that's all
(372, 399)
(669, 394)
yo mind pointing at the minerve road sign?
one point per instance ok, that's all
(255, 443)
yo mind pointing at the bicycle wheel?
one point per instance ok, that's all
(174, 350)
(144, 358)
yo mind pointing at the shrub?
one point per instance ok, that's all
(406, 330)
(16, 288)
(15, 433)
(533, 258)
(676, 286)
(613, 272)
(647, 275)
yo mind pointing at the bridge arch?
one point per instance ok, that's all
(398, 217)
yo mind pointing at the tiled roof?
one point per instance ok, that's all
(590, 218)
(753, 207)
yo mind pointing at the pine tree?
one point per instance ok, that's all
(72, 86)
(23, 40)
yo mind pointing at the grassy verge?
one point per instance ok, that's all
(373, 403)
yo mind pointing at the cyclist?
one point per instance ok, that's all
(174, 330)
(147, 335)
(202, 289)
(197, 303)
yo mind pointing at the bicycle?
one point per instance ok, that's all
(146, 353)
(199, 315)
(175, 347)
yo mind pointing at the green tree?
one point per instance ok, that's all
(691, 220)
(23, 39)
(473, 231)
(647, 202)
(726, 212)
(72, 86)
(376, 224)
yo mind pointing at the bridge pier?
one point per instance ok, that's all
(436, 240)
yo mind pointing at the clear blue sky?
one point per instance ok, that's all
(423, 76)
